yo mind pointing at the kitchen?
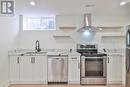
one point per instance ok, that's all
(21, 64)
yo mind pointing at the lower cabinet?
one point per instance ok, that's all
(28, 69)
(25, 69)
(14, 68)
(40, 69)
(115, 69)
(31, 69)
(74, 70)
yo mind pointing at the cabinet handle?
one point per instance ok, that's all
(18, 60)
(108, 60)
(73, 58)
(33, 60)
(78, 65)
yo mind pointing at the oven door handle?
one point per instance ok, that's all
(108, 60)
(94, 57)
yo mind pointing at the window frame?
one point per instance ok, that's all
(46, 18)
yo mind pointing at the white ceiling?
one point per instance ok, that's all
(61, 7)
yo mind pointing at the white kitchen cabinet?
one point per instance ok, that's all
(40, 69)
(28, 69)
(33, 68)
(114, 69)
(14, 68)
(74, 70)
(25, 69)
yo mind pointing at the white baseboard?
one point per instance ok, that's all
(115, 82)
(73, 82)
(26, 82)
(5, 84)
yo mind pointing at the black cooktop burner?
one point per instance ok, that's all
(94, 55)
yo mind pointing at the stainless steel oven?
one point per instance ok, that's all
(128, 36)
(93, 70)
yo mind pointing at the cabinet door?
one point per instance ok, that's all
(114, 69)
(14, 68)
(74, 70)
(25, 69)
(40, 69)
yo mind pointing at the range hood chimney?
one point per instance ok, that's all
(87, 23)
(87, 19)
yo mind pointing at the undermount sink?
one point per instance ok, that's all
(30, 53)
(34, 53)
(41, 52)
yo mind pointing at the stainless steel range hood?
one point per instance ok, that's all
(87, 24)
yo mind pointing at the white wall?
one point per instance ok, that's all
(105, 39)
(28, 38)
(11, 38)
(8, 36)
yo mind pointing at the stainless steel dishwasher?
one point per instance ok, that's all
(57, 69)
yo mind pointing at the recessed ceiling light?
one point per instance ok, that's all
(123, 3)
(32, 3)
(100, 29)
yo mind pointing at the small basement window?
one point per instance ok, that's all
(39, 23)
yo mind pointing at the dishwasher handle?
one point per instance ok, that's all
(32, 59)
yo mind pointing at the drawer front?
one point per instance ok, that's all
(77, 58)
(93, 81)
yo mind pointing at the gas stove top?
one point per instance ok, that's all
(94, 54)
(89, 51)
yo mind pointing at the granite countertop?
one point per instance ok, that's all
(114, 52)
(30, 52)
(25, 52)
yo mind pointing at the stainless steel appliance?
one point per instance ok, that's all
(128, 36)
(128, 56)
(93, 65)
(88, 25)
(57, 69)
(93, 70)
(127, 67)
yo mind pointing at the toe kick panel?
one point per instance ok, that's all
(93, 81)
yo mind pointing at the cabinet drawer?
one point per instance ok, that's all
(74, 58)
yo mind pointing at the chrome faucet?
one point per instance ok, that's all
(37, 46)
